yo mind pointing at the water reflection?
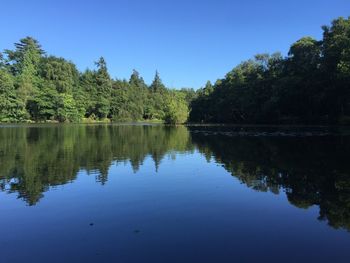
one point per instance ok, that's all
(35, 158)
(312, 170)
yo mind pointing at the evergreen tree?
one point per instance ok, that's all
(208, 89)
(157, 84)
(24, 62)
(136, 80)
(103, 89)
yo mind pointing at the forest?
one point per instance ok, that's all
(40, 88)
(311, 85)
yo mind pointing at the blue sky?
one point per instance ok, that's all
(188, 42)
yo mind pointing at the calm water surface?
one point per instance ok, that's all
(143, 193)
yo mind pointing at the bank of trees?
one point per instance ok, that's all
(38, 87)
(310, 85)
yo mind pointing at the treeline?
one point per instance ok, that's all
(310, 85)
(38, 87)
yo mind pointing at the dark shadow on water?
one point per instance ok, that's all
(311, 166)
(311, 169)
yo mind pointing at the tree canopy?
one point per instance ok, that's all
(311, 85)
(39, 87)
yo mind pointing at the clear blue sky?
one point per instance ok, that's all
(189, 42)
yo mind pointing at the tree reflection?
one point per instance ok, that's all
(311, 170)
(35, 158)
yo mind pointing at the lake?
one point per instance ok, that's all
(153, 193)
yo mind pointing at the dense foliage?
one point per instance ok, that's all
(310, 85)
(38, 87)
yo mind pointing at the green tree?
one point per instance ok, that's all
(11, 109)
(176, 110)
(24, 62)
(67, 108)
(136, 80)
(104, 87)
(305, 55)
(157, 84)
(44, 104)
(336, 57)
(63, 74)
